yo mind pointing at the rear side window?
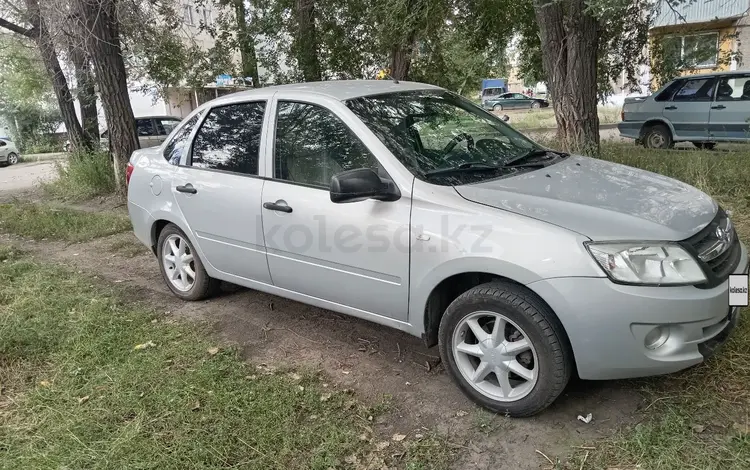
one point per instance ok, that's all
(699, 89)
(145, 127)
(229, 139)
(174, 149)
(734, 88)
(666, 95)
(165, 126)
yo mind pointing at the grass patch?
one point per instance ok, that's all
(545, 118)
(128, 247)
(83, 176)
(77, 393)
(699, 418)
(39, 221)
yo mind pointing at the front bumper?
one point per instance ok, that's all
(607, 323)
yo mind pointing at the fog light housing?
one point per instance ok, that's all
(656, 338)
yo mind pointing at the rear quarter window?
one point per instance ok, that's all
(174, 149)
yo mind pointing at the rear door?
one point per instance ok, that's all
(218, 190)
(730, 111)
(690, 107)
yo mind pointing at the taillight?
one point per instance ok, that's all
(128, 173)
(622, 114)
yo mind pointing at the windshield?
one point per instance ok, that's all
(431, 130)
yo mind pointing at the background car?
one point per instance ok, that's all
(8, 153)
(152, 130)
(702, 109)
(514, 101)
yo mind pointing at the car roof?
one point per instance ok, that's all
(337, 89)
(714, 74)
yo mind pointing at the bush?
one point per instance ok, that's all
(83, 176)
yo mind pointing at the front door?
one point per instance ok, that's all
(354, 254)
(218, 190)
(689, 109)
(730, 111)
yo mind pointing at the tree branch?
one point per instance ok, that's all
(29, 33)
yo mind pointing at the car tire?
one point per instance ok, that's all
(705, 145)
(497, 107)
(536, 105)
(12, 158)
(176, 273)
(525, 318)
(658, 137)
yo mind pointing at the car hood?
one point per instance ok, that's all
(601, 200)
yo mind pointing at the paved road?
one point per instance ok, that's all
(25, 176)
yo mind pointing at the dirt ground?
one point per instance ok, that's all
(373, 360)
(24, 176)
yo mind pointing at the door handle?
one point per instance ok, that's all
(670, 107)
(188, 188)
(721, 106)
(272, 206)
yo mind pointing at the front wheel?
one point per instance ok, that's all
(12, 158)
(181, 267)
(505, 349)
(536, 105)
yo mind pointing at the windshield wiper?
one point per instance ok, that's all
(532, 154)
(462, 168)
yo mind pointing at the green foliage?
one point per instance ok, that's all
(27, 102)
(85, 175)
(42, 222)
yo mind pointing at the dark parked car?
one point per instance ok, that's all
(514, 101)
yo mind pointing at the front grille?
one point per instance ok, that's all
(718, 257)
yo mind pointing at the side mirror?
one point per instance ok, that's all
(360, 184)
(505, 118)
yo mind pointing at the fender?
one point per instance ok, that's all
(659, 120)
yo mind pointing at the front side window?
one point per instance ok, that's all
(229, 139)
(173, 150)
(734, 88)
(313, 144)
(698, 89)
(435, 130)
(145, 127)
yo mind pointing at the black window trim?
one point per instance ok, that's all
(199, 124)
(687, 79)
(275, 121)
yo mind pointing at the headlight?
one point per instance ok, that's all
(647, 263)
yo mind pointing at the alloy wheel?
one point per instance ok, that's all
(12, 159)
(495, 356)
(179, 262)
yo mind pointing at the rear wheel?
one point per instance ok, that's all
(705, 145)
(497, 107)
(505, 349)
(181, 267)
(658, 137)
(12, 158)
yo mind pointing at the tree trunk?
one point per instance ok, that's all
(101, 35)
(40, 34)
(306, 41)
(86, 94)
(246, 43)
(570, 39)
(400, 61)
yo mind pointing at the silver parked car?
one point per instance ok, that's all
(702, 109)
(406, 205)
(8, 153)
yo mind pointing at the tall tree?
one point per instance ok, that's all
(305, 40)
(100, 31)
(569, 36)
(246, 43)
(39, 33)
(85, 92)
